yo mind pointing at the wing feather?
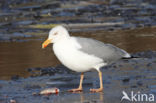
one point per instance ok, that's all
(108, 52)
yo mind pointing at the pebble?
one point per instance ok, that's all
(125, 80)
(139, 83)
(15, 77)
(133, 86)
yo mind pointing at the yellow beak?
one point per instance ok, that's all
(46, 43)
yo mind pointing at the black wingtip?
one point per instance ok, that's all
(131, 57)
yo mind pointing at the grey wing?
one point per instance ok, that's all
(107, 52)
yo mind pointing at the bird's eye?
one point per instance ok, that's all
(55, 33)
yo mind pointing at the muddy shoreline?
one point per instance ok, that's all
(32, 19)
(136, 74)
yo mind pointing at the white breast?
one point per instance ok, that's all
(67, 51)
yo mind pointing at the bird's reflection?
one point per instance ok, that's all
(82, 97)
(99, 97)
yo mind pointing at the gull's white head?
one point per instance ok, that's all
(56, 34)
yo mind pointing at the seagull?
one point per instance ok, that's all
(82, 54)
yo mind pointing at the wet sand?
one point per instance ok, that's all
(126, 75)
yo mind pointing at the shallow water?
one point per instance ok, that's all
(130, 75)
(16, 57)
